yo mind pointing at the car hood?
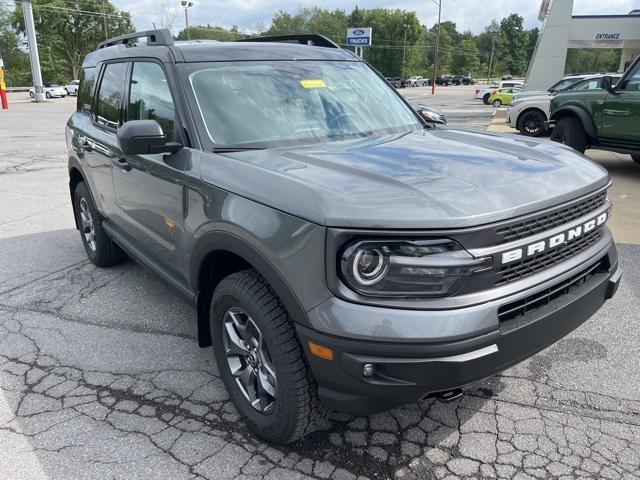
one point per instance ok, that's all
(440, 178)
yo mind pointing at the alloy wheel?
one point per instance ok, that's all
(88, 229)
(249, 360)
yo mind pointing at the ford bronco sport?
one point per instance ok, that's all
(607, 118)
(341, 251)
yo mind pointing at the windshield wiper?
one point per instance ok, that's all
(235, 149)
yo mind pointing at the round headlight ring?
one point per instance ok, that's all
(369, 266)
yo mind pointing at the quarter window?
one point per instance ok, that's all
(85, 90)
(110, 95)
(150, 97)
(633, 81)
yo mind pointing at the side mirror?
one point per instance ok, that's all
(432, 115)
(607, 83)
(143, 137)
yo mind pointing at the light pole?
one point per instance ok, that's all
(435, 57)
(404, 51)
(33, 52)
(493, 46)
(186, 4)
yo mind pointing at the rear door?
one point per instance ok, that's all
(150, 189)
(99, 139)
(621, 110)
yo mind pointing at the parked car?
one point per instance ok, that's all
(72, 87)
(606, 118)
(444, 80)
(503, 96)
(507, 77)
(462, 80)
(561, 85)
(397, 82)
(50, 90)
(484, 93)
(340, 251)
(530, 114)
(417, 81)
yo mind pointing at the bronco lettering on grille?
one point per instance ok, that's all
(554, 241)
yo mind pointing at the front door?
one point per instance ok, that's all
(621, 110)
(150, 188)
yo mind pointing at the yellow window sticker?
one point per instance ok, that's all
(313, 83)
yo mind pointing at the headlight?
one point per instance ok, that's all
(407, 268)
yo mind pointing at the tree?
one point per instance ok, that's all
(167, 13)
(211, 32)
(67, 30)
(465, 57)
(512, 45)
(16, 61)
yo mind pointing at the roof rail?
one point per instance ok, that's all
(303, 38)
(154, 37)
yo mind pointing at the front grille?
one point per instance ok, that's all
(540, 299)
(547, 221)
(540, 261)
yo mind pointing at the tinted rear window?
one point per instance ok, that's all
(85, 90)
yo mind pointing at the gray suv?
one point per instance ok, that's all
(341, 250)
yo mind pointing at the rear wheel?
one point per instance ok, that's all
(32, 94)
(636, 157)
(261, 361)
(497, 103)
(48, 95)
(531, 123)
(102, 251)
(485, 99)
(569, 130)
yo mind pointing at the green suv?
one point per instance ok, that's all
(607, 118)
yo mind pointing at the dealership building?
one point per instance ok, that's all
(563, 30)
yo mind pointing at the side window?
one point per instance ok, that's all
(633, 81)
(150, 97)
(110, 95)
(85, 90)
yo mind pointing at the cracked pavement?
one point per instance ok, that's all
(101, 376)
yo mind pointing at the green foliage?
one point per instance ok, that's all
(211, 32)
(16, 62)
(67, 31)
(587, 60)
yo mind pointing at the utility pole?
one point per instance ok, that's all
(404, 52)
(104, 21)
(435, 58)
(33, 51)
(493, 46)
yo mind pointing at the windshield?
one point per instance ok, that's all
(293, 102)
(564, 84)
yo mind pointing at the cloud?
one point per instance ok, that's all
(471, 15)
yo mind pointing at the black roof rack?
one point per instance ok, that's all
(154, 37)
(303, 38)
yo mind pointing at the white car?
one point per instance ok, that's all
(50, 90)
(529, 114)
(484, 93)
(72, 87)
(417, 81)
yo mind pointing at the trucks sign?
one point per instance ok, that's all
(359, 37)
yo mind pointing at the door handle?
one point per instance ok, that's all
(123, 164)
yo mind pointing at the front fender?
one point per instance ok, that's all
(581, 113)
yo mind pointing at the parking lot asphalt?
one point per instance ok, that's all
(101, 376)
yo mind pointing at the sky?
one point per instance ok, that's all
(471, 15)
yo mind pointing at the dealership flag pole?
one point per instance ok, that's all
(33, 51)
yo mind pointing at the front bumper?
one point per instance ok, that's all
(407, 372)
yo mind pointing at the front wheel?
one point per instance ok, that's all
(485, 99)
(531, 123)
(636, 157)
(569, 131)
(48, 95)
(32, 94)
(497, 103)
(261, 361)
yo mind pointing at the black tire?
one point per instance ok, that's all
(32, 95)
(531, 123)
(497, 103)
(296, 409)
(485, 99)
(103, 252)
(569, 131)
(48, 95)
(636, 157)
